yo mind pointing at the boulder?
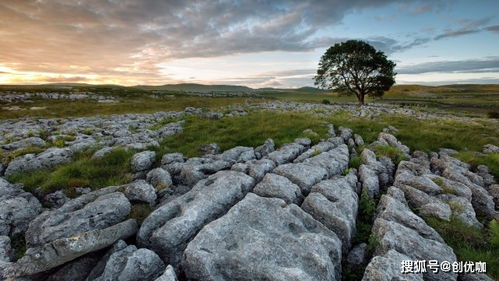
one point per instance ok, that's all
(17, 209)
(50, 158)
(387, 268)
(370, 181)
(302, 174)
(278, 186)
(258, 168)
(395, 236)
(209, 149)
(140, 191)
(334, 203)
(263, 239)
(57, 252)
(196, 169)
(142, 161)
(168, 275)
(96, 210)
(56, 199)
(357, 256)
(169, 228)
(263, 150)
(286, 153)
(132, 264)
(24, 143)
(102, 152)
(322, 146)
(490, 148)
(159, 178)
(334, 161)
(238, 154)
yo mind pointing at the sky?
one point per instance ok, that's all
(255, 43)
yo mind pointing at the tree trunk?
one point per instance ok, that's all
(361, 99)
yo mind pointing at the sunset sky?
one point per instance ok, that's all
(252, 43)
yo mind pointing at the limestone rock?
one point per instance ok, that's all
(169, 228)
(142, 161)
(263, 239)
(141, 191)
(278, 186)
(159, 178)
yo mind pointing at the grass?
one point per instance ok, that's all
(18, 244)
(16, 153)
(471, 244)
(475, 159)
(389, 151)
(250, 130)
(140, 212)
(365, 217)
(84, 171)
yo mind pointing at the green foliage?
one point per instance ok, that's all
(140, 212)
(326, 101)
(356, 68)
(448, 190)
(389, 151)
(23, 151)
(475, 159)
(365, 216)
(469, 243)
(250, 130)
(355, 162)
(494, 233)
(84, 171)
(18, 244)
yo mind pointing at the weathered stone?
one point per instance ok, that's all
(345, 133)
(142, 161)
(258, 168)
(140, 191)
(391, 140)
(17, 209)
(196, 169)
(394, 236)
(102, 152)
(50, 158)
(322, 146)
(60, 251)
(263, 150)
(170, 158)
(370, 181)
(305, 142)
(358, 140)
(88, 212)
(169, 228)
(462, 209)
(159, 178)
(209, 149)
(263, 239)
(286, 153)
(334, 203)
(168, 275)
(490, 148)
(278, 186)
(56, 199)
(302, 174)
(6, 253)
(334, 161)
(387, 268)
(24, 143)
(76, 270)
(238, 154)
(358, 255)
(394, 210)
(474, 277)
(132, 264)
(437, 209)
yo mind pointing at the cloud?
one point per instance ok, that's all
(468, 26)
(490, 64)
(493, 28)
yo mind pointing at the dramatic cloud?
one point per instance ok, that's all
(468, 66)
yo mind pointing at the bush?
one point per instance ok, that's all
(326, 101)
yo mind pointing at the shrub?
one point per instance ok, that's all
(326, 101)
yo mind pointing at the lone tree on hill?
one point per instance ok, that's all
(355, 67)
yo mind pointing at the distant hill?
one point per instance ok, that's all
(199, 88)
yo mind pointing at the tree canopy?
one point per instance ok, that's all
(357, 68)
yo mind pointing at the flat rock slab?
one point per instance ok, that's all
(169, 228)
(334, 161)
(263, 239)
(302, 175)
(60, 251)
(96, 210)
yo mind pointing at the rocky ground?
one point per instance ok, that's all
(248, 213)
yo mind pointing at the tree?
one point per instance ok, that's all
(356, 68)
